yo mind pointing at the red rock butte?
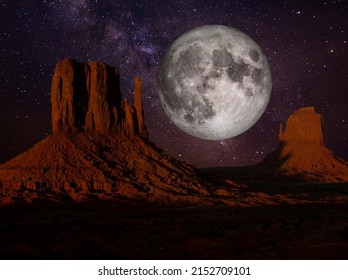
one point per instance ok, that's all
(302, 151)
(98, 148)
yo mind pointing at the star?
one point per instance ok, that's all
(305, 45)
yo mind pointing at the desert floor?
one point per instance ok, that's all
(123, 230)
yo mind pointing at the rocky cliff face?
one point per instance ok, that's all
(302, 150)
(86, 96)
(304, 127)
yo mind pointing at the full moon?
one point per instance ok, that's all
(214, 82)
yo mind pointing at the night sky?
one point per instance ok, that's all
(305, 43)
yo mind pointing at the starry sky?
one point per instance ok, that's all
(305, 43)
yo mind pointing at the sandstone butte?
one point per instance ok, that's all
(98, 148)
(302, 153)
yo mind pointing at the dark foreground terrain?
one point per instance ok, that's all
(123, 230)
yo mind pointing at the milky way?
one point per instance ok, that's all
(305, 43)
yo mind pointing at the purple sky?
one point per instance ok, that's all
(305, 43)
